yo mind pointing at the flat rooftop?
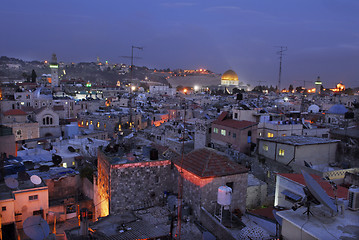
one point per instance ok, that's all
(300, 140)
(321, 225)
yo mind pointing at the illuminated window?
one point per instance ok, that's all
(215, 130)
(270, 135)
(82, 123)
(281, 152)
(104, 126)
(284, 134)
(265, 147)
(87, 123)
(260, 134)
(64, 165)
(119, 127)
(73, 163)
(33, 197)
(98, 124)
(90, 122)
(223, 132)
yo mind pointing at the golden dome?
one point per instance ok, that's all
(230, 75)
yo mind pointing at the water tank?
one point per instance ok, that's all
(224, 197)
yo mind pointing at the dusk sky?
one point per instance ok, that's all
(322, 36)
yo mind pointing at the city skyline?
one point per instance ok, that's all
(322, 37)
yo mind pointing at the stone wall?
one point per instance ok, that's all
(68, 186)
(214, 226)
(139, 185)
(202, 192)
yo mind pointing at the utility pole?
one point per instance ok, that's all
(132, 57)
(280, 52)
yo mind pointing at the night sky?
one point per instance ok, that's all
(322, 36)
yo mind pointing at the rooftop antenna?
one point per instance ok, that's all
(280, 52)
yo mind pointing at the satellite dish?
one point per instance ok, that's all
(56, 159)
(35, 179)
(11, 182)
(317, 191)
(36, 228)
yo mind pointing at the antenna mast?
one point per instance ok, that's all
(280, 52)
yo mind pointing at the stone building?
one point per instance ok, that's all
(48, 121)
(204, 171)
(129, 185)
(227, 132)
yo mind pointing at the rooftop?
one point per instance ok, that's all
(15, 112)
(207, 162)
(322, 226)
(223, 121)
(342, 192)
(300, 140)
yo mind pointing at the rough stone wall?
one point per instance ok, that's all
(209, 192)
(256, 196)
(214, 226)
(102, 189)
(68, 186)
(139, 185)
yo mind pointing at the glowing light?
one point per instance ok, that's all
(185, 90)
(133, 88)
(54, 66)
(88, 84)
(196, 87)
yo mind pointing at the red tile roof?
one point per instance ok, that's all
(222, 121)
(14, 112)
(207, 162)
(342, 192)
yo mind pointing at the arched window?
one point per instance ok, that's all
(50, 120)
(47, 120)
(43, 121)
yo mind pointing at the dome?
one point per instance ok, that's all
(337, 109)
(313, 108)
(230, 75)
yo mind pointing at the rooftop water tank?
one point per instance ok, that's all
(224, 197)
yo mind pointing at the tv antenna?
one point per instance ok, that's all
(280, 52)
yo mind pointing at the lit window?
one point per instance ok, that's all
(223, 132)
(33, 197)
(270, 135)
(98, 124)
(215, 130)
(104, 126)
(265, 147)
(281, 152)
(90, 122)
(73, 163)
(64, 165)
(87, 123)
(284, 134)
(260, 134)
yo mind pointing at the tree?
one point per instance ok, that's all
(33, 76)
(290, 89)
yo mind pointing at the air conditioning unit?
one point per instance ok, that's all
(353, 197)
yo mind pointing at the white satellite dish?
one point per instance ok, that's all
(35, 179)
(318, 192)
(36, 228)
(11, 182)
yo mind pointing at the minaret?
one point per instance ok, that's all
(318, 86)
(54, 71)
